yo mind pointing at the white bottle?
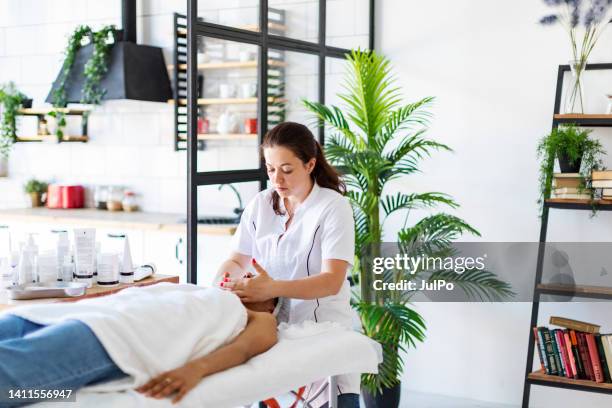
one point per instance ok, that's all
(62, 250)
(67, 269)
(27, 262)
(14, 265)
(6, 274)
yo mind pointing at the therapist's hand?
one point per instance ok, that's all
(255, 289)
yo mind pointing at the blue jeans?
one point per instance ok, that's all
(66, 355)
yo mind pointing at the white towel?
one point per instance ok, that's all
(152, 329)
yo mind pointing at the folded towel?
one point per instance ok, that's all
(151, 329)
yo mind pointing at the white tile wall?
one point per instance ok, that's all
(131, 143)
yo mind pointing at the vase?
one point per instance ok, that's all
(35, 199)
(388, 398)
(574, 97)
(566, 166)
(3, 166)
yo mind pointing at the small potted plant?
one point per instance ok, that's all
(10, 102)
(575, 150)
(36, 189)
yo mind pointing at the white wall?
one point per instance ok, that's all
(492, 69)
(131, 143)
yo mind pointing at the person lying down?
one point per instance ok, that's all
(160, 339)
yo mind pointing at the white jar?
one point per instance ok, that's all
(108, 269)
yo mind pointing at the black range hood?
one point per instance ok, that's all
(135, 71)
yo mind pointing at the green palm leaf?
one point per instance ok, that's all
(402, 119)
(477, 284)
(392, 325)
(369, 93)
(401, 201)
(440, 229)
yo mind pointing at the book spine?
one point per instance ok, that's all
(584, 356)
(606, 339)
(590, 340)
(602, 358)
(570, 355)
(579, 364)
(557, 353)
(574, 324)
(550, 353)
(563, 353)
(541, 351)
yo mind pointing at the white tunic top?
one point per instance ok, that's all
(322, 228)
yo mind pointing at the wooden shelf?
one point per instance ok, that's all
(596, 292)
(52, 139)
(595, 120)
(232, 64)
(228, 101)
(575, 204)
(228, 136)
(539, 378)
(46, 111)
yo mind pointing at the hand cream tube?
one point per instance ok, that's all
(85, 254)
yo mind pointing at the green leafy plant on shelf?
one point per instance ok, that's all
(11, 100)
(35, 186)
(573, 145)
(95, 69)
(374, 140)
(36, 190)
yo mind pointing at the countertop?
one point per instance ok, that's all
(119, 219)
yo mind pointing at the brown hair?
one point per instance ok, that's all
(300, 140)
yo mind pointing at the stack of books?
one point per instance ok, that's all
(568, 185)
(603, 179)
(577, 351)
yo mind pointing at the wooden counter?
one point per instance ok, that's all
(94, 291)
(91, 217)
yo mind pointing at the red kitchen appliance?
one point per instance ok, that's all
(60, 196)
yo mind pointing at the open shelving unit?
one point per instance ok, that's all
(275, 68)
(51, 138)
(538, 377)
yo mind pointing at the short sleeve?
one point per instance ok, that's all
(243, 239)
(338, 239)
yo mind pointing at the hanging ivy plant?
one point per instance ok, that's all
(97, 66)
(94, 70)
(10, 99)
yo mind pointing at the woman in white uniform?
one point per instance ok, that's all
(299, 236)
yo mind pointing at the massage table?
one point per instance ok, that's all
(304, 354)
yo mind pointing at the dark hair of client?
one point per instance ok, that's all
(263, 306)
(300, 140)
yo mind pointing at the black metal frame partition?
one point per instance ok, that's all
(197, 28)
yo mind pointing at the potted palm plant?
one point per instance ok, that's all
(375, 140)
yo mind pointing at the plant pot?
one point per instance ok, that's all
(35, 199)
(3, 166)
(389, 398)
(566, 166)
(26, 103)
